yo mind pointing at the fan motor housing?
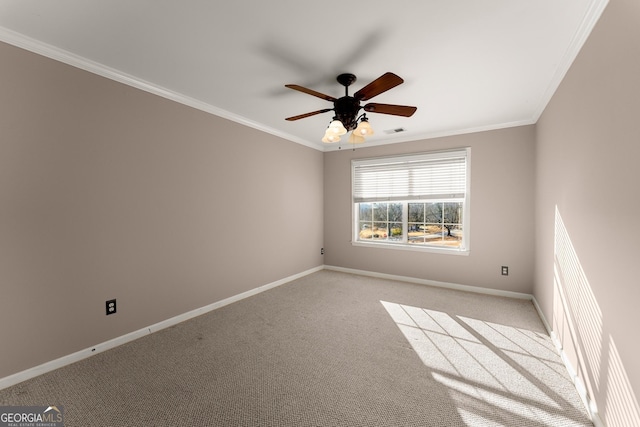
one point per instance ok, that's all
(346, 109)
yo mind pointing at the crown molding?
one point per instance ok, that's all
(430, 135)
(589, 20)
(38, 47)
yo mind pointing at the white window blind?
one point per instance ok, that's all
(437, 175)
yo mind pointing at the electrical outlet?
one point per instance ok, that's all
(321, 251)
(111, 306)
(505, 270)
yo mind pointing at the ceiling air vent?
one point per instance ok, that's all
(396, 130)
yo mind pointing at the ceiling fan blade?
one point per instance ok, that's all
(379, 85)
(313, 113)
(311, 92)
(395, 110)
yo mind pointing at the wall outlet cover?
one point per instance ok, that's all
(110, 306)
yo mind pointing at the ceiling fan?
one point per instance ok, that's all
(347, 107)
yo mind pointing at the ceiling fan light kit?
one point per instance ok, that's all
(364, 128)
(347, 108)
(330, 138)
(354, 138)
(337, 128)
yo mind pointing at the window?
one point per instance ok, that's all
(418, 201)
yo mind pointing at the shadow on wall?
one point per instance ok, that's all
(578, 323)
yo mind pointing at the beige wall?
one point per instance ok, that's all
(502, 213)
(587, 274)
(110, 192)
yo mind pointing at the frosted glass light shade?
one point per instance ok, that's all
(364, 129)
(337, 128)
(354, 138)
(330, 137)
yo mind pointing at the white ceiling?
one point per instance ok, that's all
(468, 65)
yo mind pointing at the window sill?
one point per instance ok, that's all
(414, 248)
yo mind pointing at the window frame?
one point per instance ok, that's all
(403, 244)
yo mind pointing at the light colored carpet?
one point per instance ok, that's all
(329, 349)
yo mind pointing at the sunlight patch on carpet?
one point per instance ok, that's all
(495, 374)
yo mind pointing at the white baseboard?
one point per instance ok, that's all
(466, 288)
(107, 345)
(577, 381)
(573, 373)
